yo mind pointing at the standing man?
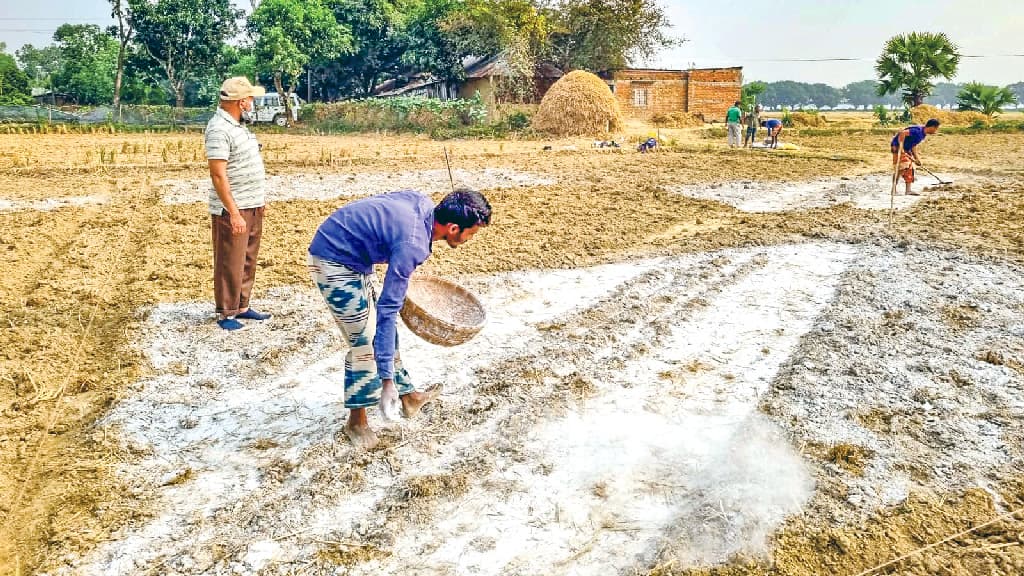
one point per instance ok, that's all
(236, 202)
(753, 121)
(398, 229)
(904, 150)
(732, 122)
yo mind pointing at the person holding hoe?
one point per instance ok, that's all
(904, 150)
(398, 229)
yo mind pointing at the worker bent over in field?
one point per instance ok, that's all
(904, 150)
(397, 229)
(774, 126)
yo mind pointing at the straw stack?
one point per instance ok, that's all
(921, 114)
(677, 120)
(579, 104)
(807, 120)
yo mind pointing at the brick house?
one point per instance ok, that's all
(708, 92)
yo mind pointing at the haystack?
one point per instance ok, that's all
(579, 104)
(807, 120)
(924, 112)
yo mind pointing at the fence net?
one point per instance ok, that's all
(134, 115)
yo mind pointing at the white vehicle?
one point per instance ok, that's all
(270, 108)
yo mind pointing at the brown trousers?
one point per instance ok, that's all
(234, 260)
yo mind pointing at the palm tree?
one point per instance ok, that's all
(985, 99)
(910, 62)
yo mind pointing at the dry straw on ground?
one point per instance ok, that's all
(579, 104)
(808, 120)
(924, 112)
(677, 120)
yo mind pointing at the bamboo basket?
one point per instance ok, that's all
(442, 312)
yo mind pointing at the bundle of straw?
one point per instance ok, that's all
(807, 120)
(677, 120)
(579, 104)
(921, 114)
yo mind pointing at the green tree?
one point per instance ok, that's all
(516, 29)
(786, 93)
(380, 39)
(14, 83)
(944, 94)
(988, 100)
(1018, 90)
(909, 63)
(750, 93)
(432, 48)
(240, 61)
(123, 33)
(861, 94)
(185, 38)
(39, 63)
(599, 35)
(823, 95)
(289, 34)
(88, 58)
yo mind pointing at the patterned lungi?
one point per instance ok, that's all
(906, 167)
(351, 297)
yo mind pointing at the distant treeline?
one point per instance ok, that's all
(863, 94)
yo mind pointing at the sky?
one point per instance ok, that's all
(760, 36)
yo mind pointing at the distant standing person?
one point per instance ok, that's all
(904, 150)
(774, 126)
(732, 122)
(236, 201)
(753, 120)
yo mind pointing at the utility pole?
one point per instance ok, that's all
(309, 84)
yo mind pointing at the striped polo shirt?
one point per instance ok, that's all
(227, 139)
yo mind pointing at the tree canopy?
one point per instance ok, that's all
(14, 83)
(88, 62)
(910, 62)
(985, 99)
(597, 35)
(288, 34)
(183, 37)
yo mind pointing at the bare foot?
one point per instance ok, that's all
(913, 193)
(411, 403)
(362, 436)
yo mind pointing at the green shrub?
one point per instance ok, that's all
(882, 113)
(518, 120)
(400, 114)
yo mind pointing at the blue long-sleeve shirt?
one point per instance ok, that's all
(915, 137)
(395, 229)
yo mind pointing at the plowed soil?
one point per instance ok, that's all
(80, 281)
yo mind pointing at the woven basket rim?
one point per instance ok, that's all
(437, 330)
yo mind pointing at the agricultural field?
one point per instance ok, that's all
(698, 361)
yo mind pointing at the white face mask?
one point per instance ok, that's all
(246, 115)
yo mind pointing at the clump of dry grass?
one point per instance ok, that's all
(849, 457)
(960, 317)
(579, 104)
(924, 112)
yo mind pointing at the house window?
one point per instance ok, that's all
(640, 97)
